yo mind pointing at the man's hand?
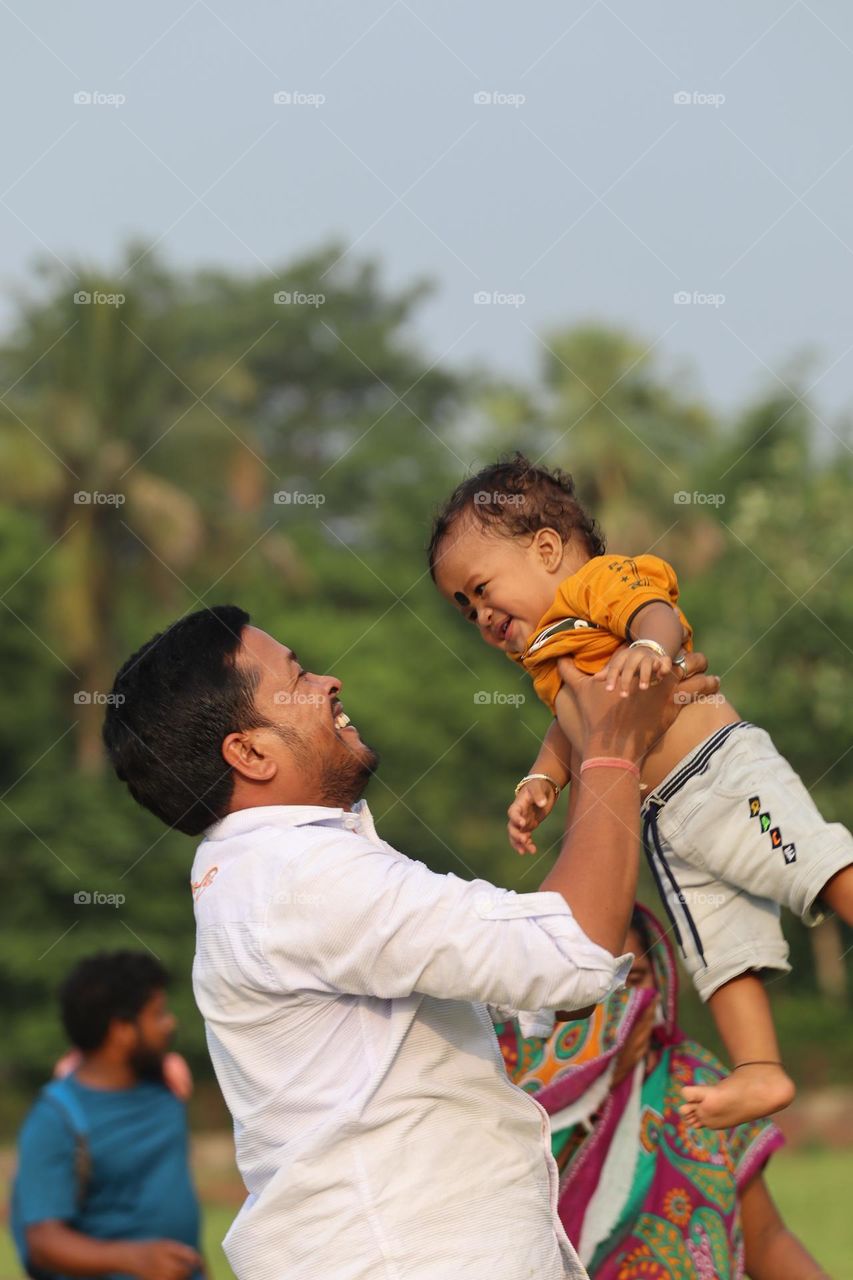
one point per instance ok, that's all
(162, 1260)
(531, 806)
(630, 727)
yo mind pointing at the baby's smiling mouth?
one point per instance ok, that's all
(502, 629)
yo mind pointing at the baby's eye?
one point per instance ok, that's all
(479, 589)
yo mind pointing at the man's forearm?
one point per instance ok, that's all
(596, 871)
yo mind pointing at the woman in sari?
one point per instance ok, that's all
(643, 1196)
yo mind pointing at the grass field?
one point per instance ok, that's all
(814, 1190)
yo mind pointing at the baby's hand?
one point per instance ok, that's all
(531, 806)
(628, 665)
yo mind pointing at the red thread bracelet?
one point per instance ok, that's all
(610, 762)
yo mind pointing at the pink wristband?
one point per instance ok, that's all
(610, 762)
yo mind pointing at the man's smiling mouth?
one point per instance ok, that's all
(341, 719)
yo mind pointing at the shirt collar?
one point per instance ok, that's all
(290, 815)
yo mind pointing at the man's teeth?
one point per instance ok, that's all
(341, 720)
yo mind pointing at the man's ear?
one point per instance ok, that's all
(244, 752)
(549, 547)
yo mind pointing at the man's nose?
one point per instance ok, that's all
(330, 685)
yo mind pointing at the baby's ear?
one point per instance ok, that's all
(549, 547)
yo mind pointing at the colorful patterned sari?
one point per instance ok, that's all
(642, 1195)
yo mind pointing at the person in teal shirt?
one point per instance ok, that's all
(103, 1186)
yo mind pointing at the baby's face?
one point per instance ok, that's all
(498, 583)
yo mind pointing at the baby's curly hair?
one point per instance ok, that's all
(517, 498)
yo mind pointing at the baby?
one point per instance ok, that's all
(729, 830)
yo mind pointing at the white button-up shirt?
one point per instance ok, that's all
(345, 992)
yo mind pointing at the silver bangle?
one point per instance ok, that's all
(532, 777)
(650, 644)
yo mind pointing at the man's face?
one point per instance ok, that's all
(154, 1027)
(312, 733)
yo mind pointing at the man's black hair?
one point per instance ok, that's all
(516, 497)
(172, 704)
(108, 985)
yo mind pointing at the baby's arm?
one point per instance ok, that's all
(659, 625)
(536, 799)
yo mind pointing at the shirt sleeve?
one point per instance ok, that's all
(46, 1185)
(610, 590)
(368, 921)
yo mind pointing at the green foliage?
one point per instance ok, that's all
(198, 401)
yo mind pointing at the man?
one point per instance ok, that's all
(345, 987)
(103, 1185)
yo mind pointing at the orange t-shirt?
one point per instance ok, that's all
(591, 616)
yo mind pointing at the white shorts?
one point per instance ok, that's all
(731, 834)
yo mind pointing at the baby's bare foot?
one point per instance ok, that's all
(753, 1090)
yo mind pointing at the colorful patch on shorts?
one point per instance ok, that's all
(764, 819)
(776, 838)
(790, 853)
(754, 806)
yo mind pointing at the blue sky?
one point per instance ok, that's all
(584, 189)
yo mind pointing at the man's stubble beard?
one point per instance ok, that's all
(343, 781)
(340, 781)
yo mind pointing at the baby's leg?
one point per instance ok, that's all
(837, 894)
(758, 1085)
